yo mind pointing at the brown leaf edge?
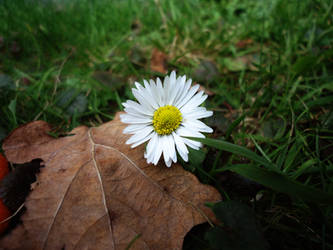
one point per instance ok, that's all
(27, 143)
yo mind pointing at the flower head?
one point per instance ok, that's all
(165, 115)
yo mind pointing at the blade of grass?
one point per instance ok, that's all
(12, 108)
(233, 125)
(281, 183)
(305, 166)
(291, 156)
(235, 149)
(260, 149)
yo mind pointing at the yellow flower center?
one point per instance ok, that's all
(166, 119)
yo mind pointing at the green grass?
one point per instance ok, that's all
(268, 63)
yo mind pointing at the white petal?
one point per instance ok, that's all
(166, 89)
(172, 88)
(131, 119)
(198, 113)
(165, 148)
(150, 93)
(142, 141)
(138, 86)
(151, 147)
(169, 152)
(193, 144)
(156, 92)
(180, 85)
(172, 80)
(166, 83)
(182, 131)
(188, 96)
(197, 125)
(151, 87)
(174, 92)
(144, 93)
(172, 150)
(132, 129)
(173, 76)
(158, 151)
(140, 135)
(143, 100)
(194, 102)
(160, 91)
(131, 105)
(180, 145)
(168, 163)
(184, 92)
(134, 112)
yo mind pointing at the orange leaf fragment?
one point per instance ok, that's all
(158, 61)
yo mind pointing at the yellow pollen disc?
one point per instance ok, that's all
(166, 119)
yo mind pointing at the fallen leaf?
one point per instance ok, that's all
(158, 61)
(95, 192)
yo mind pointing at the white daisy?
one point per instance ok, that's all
(164, 115)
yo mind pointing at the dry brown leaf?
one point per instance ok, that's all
(158, 61)
(95, 192)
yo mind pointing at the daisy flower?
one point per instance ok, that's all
(165, 115)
